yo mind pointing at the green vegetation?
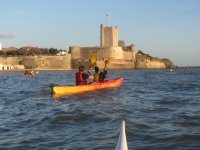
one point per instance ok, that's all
(1, 52)
(121, 43)
(168, 63)
(53, 51)
(142, 53)
(31, 52)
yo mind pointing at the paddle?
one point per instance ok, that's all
(92, 60)
(106, 62)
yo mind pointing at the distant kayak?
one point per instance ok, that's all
(73, 89)
(30, 74)
(122, 143)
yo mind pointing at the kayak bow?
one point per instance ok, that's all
(122, 143)
(73, 89)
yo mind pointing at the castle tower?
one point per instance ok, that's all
(109, 36)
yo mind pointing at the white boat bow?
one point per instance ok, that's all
(122, 143)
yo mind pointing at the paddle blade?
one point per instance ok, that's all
(93, 59)
(106, 62)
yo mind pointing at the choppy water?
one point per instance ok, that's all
(161, 110)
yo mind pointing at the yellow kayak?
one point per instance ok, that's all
(73, 89)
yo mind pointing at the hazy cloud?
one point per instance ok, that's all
(6, 36)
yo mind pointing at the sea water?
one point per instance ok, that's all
(161, 109)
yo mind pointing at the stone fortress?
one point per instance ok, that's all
(119, 57)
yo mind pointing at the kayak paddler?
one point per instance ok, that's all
(99, 77)
(26, 73)
(81, 77)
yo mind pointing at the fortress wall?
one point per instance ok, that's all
(142, 58)
(119, 59)
(116, 64)
(83, 52)
(143, 62)
(116, 53)
(107, 52)
(29, 62)
(54, 62)
(113, 63)
(155, 64)
(10, 60)
(48, 62)
(129, 55)
(39, 62)
(75, 52)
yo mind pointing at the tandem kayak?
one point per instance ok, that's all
(74, 89)
(30, 74)
(122, 143)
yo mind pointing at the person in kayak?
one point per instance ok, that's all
(81, 77)
(102, 75)
(99, 77)
(96, 74)
(26, 73)
(32, 73)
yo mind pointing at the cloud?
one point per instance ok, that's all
(6, 36)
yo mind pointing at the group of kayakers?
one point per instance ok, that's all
(81, 76)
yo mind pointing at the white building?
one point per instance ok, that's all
(0, 47)
(6, 67)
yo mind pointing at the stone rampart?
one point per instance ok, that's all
(144, 62)
(113, 63)
(39, 62)
(100, 52)
(119, 59)
(117, 64)
(53, 62)
(10, 60)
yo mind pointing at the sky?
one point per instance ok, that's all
(162, 28)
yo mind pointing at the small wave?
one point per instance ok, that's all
(71, 119)
(189, 137)
(143, 126)
(4, 129)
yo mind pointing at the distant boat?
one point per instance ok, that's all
(170, 70)
(122, 143)
(30, 74)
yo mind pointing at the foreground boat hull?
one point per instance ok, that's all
(73, 89)
(122, 142)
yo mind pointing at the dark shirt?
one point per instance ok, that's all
(102, 75)
(85, 76)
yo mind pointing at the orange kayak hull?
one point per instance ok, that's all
(73, 89)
